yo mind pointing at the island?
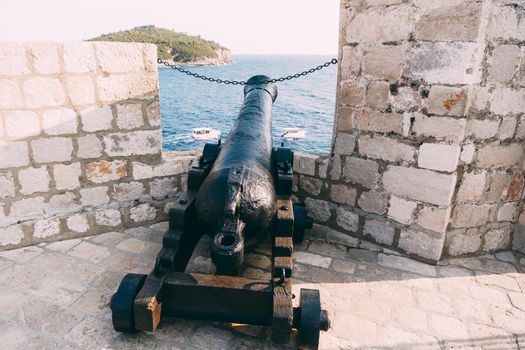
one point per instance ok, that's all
(174, 47)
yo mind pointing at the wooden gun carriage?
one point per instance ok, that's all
(237, 193)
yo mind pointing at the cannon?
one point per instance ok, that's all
(238, 193)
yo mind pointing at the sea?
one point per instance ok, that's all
(306, 103)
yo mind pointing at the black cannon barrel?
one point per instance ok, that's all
(236, 201)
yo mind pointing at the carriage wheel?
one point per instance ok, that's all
(310, 320)
(122, 302)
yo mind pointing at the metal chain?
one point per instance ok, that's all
(242, 82)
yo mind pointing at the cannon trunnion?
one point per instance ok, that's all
(238, 193)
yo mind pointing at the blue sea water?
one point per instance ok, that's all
(307, 102)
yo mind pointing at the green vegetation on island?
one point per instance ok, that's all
(173, 46)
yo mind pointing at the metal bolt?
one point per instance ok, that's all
(284, 207)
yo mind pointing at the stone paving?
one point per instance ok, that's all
(56, 296)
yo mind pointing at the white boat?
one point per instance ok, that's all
(205, 133)
(294, 133)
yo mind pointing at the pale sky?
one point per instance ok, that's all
(244, 26)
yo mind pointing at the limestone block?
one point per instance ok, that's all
(507, 128)
(460, 242)
(505, 23)
(53, 149)
(420, 184)
(170, 168)
(108, 217)
(62, 204)
(450, 23)
(482, 129)
(384, 62)
(105, 171)
(21, 124)
(347, 219)
(382, 2)
(361, 171)
(7, 185)
(438, 156)
(377, 94)
(133, 143)
(344, 144)
(94, 196)
(319, 210)
(310, 185)
(343, 194)
(43, 92)
(79, 57)
(14, 59)
(33, 180)
(401, 210)
(379, 122)
(142, 212)
(405, 99)
(472, 186)
(497, 187)
(89, 146)
(96, 118)
(443, 63)
(508, 212)
(153, 113)
(423, 244)
(81, 89)
(304, 163)
(78, 223)
(120, 57)
(497, 238)
(27, 208)
(434, 219)
(11, 235)
(350, 63)
(60, 121)
(505, 100)
(380, 147)
(13, 154)
(323, 167)
(520, 131)
(127, 192)
(516, 187)
(503, 63)
(381, 231)
(45, 57)
(67, 176)
(129, 116)
(380, 25)
(467, 153)
(46, 228)
(351, 93)
(163, 188)
(495, 156)
(444, 100)
(130, 86)
(373, 202)
(10, 95)
(441, 128)
(471, 215)
(335, 170)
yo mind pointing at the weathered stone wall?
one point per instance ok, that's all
(80, 141)
(428, 151)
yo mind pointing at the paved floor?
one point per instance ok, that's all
(55, 296)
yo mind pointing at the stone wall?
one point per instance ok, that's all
(428, 150)
(80, 141)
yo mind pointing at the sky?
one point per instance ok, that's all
(244, 26)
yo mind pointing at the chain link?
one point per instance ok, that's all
(242, 82)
